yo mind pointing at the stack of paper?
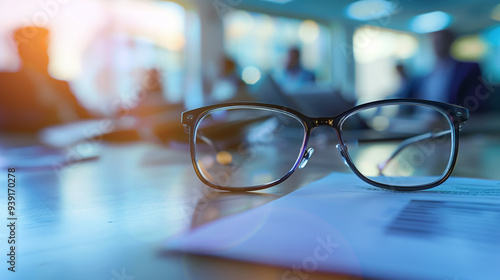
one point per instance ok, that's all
(342, 225)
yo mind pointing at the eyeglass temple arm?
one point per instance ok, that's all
(203, 138)
(408, 142)
(209, 141)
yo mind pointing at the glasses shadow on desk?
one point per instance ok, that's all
(205, 267)
(217, 205)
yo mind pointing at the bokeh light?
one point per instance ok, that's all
(250, 75)
(373, 43)
(308, 31)
(370, 9)
(469, 48)
(495, 14)
(430, 22)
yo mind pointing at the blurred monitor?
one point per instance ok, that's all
(311, 100)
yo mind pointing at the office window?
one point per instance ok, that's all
(142, 37)
(104, 48)
(377, 51)
(260, 41)
(469, 48)
(491, 59)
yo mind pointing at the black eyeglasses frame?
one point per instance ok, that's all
(456, 115)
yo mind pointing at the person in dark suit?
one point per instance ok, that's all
(30, 99)
(450, 81)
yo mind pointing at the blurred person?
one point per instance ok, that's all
(295, 75)
(450, 80)
(406, 82)
(149, 100)
(155, 117)
(228, 85)
(30, 99)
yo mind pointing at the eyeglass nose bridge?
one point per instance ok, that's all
(343, 154)
(323, 122)
(306, 158)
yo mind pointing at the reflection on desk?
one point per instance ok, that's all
(107, 218)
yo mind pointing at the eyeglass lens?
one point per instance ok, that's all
(398, 145)
(244, 147)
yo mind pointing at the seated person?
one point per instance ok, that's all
(450, 81)
(294, 75)
(30, 99)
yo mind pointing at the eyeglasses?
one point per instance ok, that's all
(397, 144)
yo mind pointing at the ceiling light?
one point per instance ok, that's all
(369, 9)
(495, 14)
(430, 22)
(278, 1)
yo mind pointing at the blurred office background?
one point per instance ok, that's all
(202, 52)
(135, 65)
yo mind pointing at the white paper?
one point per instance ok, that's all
(340, 224)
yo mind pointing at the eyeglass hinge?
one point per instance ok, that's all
(461, 126)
